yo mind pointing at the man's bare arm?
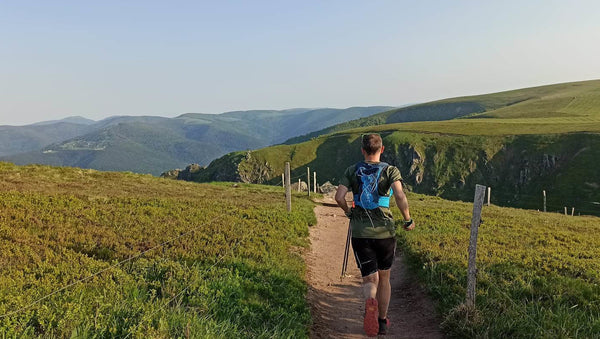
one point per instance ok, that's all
(340, 198)
(402, 202)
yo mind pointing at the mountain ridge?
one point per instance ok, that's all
(151, 144)
(474, 106)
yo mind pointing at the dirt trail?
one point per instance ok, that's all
(337, 306)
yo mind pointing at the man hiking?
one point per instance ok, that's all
(373, 232)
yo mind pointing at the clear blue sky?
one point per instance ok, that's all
(103, 58)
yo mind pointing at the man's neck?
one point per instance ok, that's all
(372, 158)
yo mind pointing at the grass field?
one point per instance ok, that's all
(571, 107)
(230, 266)
(493, 127)
(538, 273)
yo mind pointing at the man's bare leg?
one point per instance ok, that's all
(371, 325)
(384, 292)
(370, 283)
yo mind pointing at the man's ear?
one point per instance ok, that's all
(382, 148)
(362, 150)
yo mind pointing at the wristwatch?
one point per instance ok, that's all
(407, 223)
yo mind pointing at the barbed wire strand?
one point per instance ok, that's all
(292, 178)
(26, 307)
(220, 259)
(517, 307)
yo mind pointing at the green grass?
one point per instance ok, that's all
(575, 100)
(538, 272)
(493, 127)
(239, 275)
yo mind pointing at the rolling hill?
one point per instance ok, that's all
(20, 139)
(154, 144)
(499, 145)
(574, 104)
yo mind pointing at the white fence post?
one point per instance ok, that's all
(288, 187)
(308, 180)
(475, 222)
(544, 193)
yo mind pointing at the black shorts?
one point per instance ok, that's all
(373, 254)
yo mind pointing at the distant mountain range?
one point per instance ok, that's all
(152, 145)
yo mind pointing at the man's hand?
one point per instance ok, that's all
(409, 225)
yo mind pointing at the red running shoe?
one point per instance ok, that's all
(371, 324)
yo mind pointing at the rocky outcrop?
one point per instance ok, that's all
(188, 173)
(327, 188)
(409, 160)
(302, 184)
(517, 168)
(549, 162)
(254, 170)
(171, 174)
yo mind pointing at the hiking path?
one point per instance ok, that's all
(337, 305)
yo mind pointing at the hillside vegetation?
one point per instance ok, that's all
(538, 273)
(223, 261)
(518, 155)
(218, 261)
(155, 144)
(560, 108)
(518, 168)
(21, 139)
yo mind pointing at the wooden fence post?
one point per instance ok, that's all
(572, 211)
(489, 194)
(565, 210)
(475, 222)
(308, 180)
(288, 187)
(315, 181)
(544, 193)
(299, 182)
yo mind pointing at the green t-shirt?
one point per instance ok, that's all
(377, 223)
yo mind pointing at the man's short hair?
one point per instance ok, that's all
(371, 143)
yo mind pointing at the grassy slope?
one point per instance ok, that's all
(238, 276)
(450, 165)
(537, 272)
(521, 129)
(567, 107)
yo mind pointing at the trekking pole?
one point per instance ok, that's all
(346, 252)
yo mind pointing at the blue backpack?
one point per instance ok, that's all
(367, 176)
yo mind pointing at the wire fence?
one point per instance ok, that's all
(581, 206)
(517, 306)
(113, 266)
(187, 287)
(280, 182)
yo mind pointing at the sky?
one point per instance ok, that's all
(101, 58)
